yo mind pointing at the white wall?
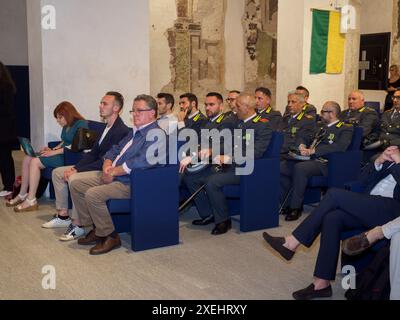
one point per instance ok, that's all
(234, 45)
(98, 45)
(13, 32)
(376, 17)
(162, 16)
(290, 49)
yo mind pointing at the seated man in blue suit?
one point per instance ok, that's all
(90, 195)
(211, 203)
(110, 108)
(342, 210)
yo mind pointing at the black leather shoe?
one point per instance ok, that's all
(285, 211)
(222, 227)
(293, 214)
(277, 244)
(204, 221)
(310, 293)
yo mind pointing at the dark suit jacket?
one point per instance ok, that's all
(93, 160)
(370, 177)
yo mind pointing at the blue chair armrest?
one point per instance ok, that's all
(343, 167)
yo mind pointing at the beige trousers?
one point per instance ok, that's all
(90, 195)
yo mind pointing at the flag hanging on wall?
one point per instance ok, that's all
(327, 43)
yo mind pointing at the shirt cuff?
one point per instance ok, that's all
(126, 169)
(181, 124)
(378, 167)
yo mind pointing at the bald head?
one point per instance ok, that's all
(356, 100)
(245, 106)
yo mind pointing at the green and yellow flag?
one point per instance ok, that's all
(327, 44)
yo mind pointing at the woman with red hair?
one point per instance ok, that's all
(70, 120)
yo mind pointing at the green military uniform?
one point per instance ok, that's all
(366, 118)
(390, 128)
(296, 129)
(309, 109)
(273, 116)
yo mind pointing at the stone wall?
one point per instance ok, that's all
(196, 45)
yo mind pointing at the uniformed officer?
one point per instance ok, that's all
(331, 136)
(189, 115)
(296, 124)
(231, 100)
(390, 124)
(263, 103)
(308, 108)
(361, 116)
(211, 203)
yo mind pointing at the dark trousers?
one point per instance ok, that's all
(7, 169)
(294, 177)
(342, 210)
(211, 200)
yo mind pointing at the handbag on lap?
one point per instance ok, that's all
(84, 139)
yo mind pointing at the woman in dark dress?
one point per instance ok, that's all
(8, 131)
(393, 84)
(70, 120)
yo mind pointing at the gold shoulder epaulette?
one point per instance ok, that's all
(221, 117)
(197, 117)
(269, 109)
(301, 115)
(340, 124)
(256, 119)
(362, 109)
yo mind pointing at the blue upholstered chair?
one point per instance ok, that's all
(70, 158)
(256, 199)
(376, 105)
(151, 214)
(342, 167)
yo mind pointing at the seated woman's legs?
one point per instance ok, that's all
(23, 193)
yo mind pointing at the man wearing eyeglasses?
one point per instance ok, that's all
(231, 100)
(390, 124)
(330, 136)
(113, 182)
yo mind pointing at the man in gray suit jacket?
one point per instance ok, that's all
(90, 195)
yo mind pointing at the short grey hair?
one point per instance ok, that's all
(299, 95)
(360, 93)
(335, 106)
(150, 101)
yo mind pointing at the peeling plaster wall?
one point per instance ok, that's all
(200, 45)
(260, 28)
(162, 16)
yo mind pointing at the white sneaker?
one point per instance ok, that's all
(56, 222)
(5, 193)
(73, 232)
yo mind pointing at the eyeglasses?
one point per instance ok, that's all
(326, 111)
(139, 110)
(396, 98)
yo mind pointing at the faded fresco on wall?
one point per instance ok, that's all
(197, 51)
(196, 47)
(260, 29)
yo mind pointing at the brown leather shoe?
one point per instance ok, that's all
(106, 245)
(90, 239)
(355, 245)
